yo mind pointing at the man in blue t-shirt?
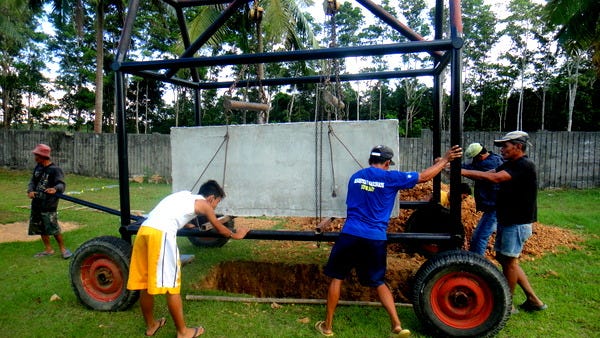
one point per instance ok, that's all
(362, 243)
(485, 195)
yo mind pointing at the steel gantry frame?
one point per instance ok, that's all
(454, 293)
(444, 52)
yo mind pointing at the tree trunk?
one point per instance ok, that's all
(99, 67)
(137, 107)
(380, 88)
(357, 101)
(573, 81)
(520, 107)
(291, 105)
(176, 93)
(544, 91)
(260, 72)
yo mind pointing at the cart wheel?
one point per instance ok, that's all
(210, 242)
(432, 218)
(99, 270)
(461, 294)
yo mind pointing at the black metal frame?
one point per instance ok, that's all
(444, 52)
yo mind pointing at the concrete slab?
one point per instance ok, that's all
(290, 169)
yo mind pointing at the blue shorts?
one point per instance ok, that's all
(510, 239)
(367, 256)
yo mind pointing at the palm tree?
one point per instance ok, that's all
(579, 25)
(75, 9)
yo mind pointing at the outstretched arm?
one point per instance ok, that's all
(438, 166)
(202, 207)
(492, 175)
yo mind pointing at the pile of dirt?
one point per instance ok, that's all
(545, 239)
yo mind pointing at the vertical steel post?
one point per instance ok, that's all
(456, 118)
(123, 159)
(122, 154)
(437, 101)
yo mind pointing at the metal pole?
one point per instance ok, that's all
(386, 17)
(123, 160)
(212, 29)
(285, 300)
(285, 56)
(456, 119)
(437, 103)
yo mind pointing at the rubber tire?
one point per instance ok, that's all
(432, 218)
(210, 242)
(461, 294)
(99, 271)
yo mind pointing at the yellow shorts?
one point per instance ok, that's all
(155, 264)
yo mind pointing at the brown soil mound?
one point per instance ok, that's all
(546, 239)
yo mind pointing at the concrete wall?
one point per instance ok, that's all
(291, 169)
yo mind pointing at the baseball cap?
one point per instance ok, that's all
(383, 152)
(473, 150)
(515, 136)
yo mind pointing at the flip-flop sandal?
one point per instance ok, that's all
(43, 254)
(161, 323)
(67, 254)
(404, 333)
(530, 307)
(321, 330)
(196, 334)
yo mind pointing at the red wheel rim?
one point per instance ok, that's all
(101, 278)
(461, 300)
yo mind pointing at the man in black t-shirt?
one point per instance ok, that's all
(47, 180)
(516, 209)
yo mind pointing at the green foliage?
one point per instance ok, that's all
(578, 22)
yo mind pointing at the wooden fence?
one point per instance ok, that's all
(563, 159)
(88, 154)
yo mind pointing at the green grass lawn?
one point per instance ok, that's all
(567, 282)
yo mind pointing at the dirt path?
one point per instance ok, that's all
(17, 232)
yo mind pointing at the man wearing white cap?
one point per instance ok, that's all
(485, 195)
(516, 208)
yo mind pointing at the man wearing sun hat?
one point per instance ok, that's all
(485, 195)
(361, 245)
(47, 180)
(516, 208)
